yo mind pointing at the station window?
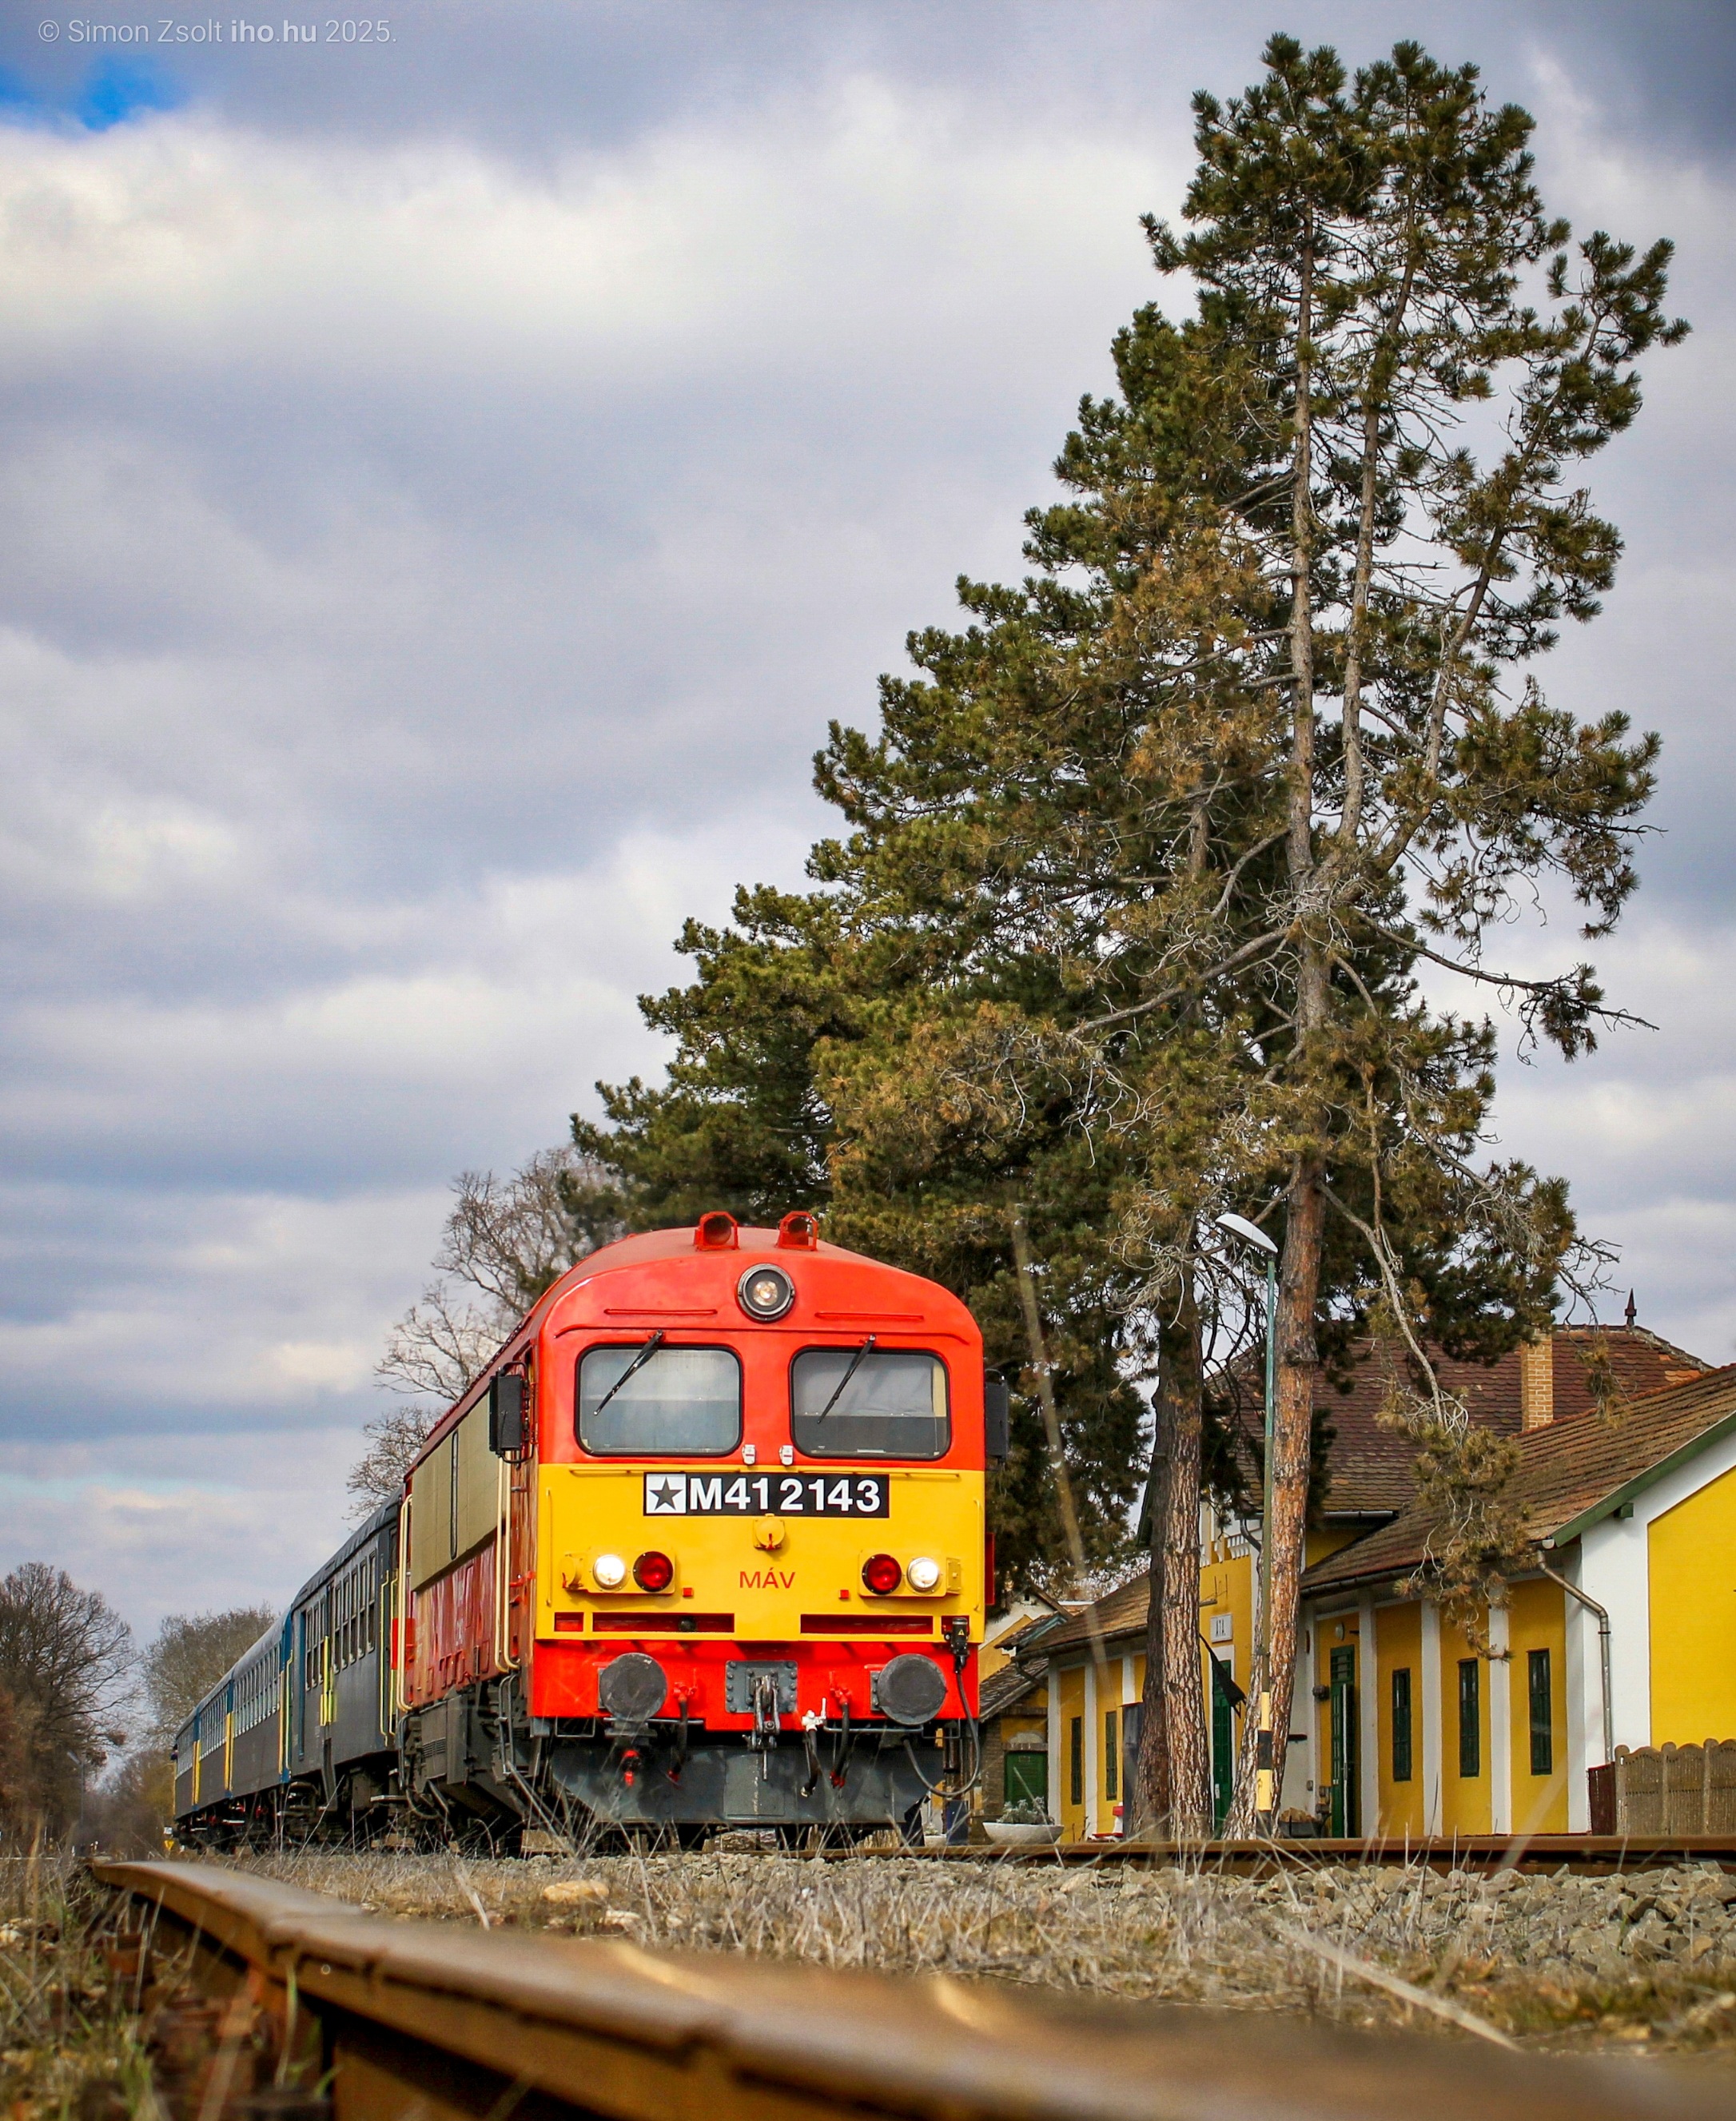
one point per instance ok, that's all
(867, 1402)
(1076, 1760)
(1401, 1724)
(1111, 1757)
(634, 1403)
(1470, 1718)
(1542, 1713)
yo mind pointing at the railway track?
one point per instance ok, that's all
(1588, 1854)
(265, 2003)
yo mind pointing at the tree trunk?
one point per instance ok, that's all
(1299, 1289)
(1153, 1792)
(1174, 1794)
(1304, 1219)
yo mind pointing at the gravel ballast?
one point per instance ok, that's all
(1646, 1960)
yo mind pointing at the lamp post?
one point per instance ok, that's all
(1265, 1803)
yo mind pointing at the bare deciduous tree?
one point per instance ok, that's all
(65, 1660)
(441, 1343)
(506, 1240)
(511, 1238)
(394, 1438)
(191, 1653)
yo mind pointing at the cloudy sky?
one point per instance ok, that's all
(445, 486)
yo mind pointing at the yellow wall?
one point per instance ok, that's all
(1227, 1586)
(1070, 1694)
(1464, 1801)
(990, 1656)
(1536, 1621)
(1097, 1813)
(1108, 1696)
(1398, 1643)
(1692, 1551)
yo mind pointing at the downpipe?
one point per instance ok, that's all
(1602, 1616)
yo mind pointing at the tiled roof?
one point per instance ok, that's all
(1568, 1467)
(1370, 1465)
(1575, 1469)
(1013, 1683)
(1122, 1613)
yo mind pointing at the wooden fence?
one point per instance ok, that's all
(1667, 1789)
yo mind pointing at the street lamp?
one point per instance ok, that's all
(1264, 1795)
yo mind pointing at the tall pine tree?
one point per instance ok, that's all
(1140, 864)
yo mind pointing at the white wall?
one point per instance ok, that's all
(1613, 1568)
(1368, 1707)
(1500, 1682)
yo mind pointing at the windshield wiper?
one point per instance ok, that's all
(638, 1363)
(854, 1365)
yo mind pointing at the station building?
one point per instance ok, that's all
(1627, 1475)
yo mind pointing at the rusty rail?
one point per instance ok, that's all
(391, 2021)
(1590, 1854)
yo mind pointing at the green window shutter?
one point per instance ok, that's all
(1542, 1713)
(1470, 1718)
(1076, 1760)
(1401, 1724)
(1111, 1757)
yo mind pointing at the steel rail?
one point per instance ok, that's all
(439, 2022)
(1588, 1854)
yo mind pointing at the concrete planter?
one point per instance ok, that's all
(1020, 1837)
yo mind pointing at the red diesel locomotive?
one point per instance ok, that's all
(704, 1547)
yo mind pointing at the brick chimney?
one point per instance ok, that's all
(1536, 1383)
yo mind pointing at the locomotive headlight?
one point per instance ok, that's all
(610, 1571)
(923, 1574)
(765, 1291)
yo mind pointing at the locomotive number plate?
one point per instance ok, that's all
(758, 1494)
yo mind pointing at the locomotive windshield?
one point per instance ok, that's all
(676, 1400)
(869, 1403)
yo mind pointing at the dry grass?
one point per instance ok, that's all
(1561, 1962)
(68, 2045)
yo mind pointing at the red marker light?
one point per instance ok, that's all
(881, 1574)
(654, 1572)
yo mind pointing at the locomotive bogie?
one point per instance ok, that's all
(646, 1780)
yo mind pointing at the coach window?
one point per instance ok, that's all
(640, 1401)
(868, 1402)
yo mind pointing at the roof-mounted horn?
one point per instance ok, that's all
(799, 1232)
(717, 1232)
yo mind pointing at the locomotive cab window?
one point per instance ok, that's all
(647, 1401)
(868, 1402)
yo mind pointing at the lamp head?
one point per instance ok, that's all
(1250, 1233)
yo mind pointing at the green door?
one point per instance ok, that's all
(1027, 1780)
(1223, 1748)
(1345, 1818)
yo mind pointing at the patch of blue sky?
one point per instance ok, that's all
(79, 1487)
(113, 90)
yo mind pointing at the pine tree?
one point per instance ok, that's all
(1140, 865)
(785, 1092)
(1362, 253)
